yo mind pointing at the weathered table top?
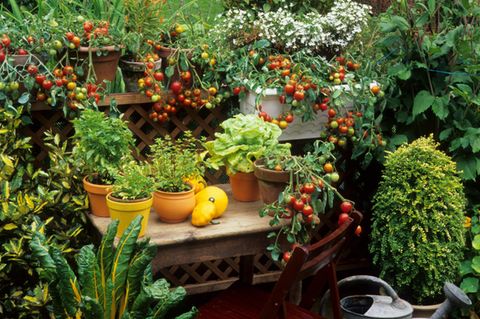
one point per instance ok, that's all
(241, 231)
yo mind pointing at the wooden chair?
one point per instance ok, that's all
(317, 260)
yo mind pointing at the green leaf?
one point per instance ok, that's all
(24, 98)
(89, 273)
(469, 166)
(398, 139)
(476, 242)
(401, 71)
(67, 283)
(136, 270)
(440, 107)
(476, 264)
(469, 285)
(266, 7)
(445, 134)
(423, 100)
(466, 267)
(169, 71)
(105, 259)
(121, 260)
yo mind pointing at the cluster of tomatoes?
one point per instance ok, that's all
(299, 204)
(282, 120)
(340, 129)
(338, 75)
(180, 94)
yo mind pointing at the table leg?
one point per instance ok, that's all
(246, 269)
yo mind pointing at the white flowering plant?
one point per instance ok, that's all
(314, 32)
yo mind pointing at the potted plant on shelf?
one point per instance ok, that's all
(245, 138)
(102, 144)
(304, 197)
(173, 163)
(417, 237)
(131, 195)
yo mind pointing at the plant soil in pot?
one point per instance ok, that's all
(245, 187)
(97, 197)
(174, 207)
(126, 211)
(104, 60)
(271, 183)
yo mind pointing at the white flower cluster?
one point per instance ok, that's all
(311, 32)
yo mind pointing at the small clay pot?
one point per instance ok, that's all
(97, 196)
(105, 64)
(174, 207)
(271, 182)
(245, 187)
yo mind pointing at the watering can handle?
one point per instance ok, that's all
(370, 280)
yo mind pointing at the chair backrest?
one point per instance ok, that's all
(317, 260)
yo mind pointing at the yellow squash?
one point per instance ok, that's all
(211, 203)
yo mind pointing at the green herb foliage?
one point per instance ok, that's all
(110, 282)
(133, 181)
(174, 161)
(417, 234)
(245, 138)
(102, 144)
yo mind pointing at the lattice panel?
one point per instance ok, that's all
(202, 123)
(263, 264)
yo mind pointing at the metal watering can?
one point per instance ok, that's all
(390, 306)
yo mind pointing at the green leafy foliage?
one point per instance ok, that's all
(124, 289)
(245, 138)
(133, 181)
(417, 234)
(431, 56)
(49, 202)
(470, 267)
(102, 144)
(174, 161)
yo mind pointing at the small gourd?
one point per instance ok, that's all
(211, 203)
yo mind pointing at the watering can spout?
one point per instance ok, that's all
(455, 298)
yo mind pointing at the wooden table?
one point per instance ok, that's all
(241, 232)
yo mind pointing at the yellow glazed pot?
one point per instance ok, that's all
(126, 211)
(174, 207)
(96, 196)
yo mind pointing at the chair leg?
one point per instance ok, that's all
(334, 294)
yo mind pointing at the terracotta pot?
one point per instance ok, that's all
(133, 71)
(245, 187)
(424, 311)
(97, 197)
(105, 64)
(174, 207)
(126, 211)
(270, 182)
(24, 59)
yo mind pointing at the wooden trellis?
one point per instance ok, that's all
(135, 108)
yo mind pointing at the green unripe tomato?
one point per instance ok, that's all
(80, 19)
(295, 103)
(209, 105)
(14, 85)
(71, 46)
(334, 177)
(334, 124)
(52, 52)
(2, 86)
(57, 44)
(227, 94)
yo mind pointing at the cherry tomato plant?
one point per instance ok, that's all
(309, 194)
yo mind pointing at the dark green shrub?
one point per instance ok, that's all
(417, 231)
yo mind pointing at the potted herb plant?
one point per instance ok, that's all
(245, 138)
(173, 162)
(417, 237)
(102, 144)
(131, 196)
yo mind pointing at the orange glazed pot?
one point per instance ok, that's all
(97, 196)
(174, 207)
(245, 187)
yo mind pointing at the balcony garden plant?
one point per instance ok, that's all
(245, 138)
(306, 193)
(417, 237)
(111, 282)
(131, 195)
(173, 163)
(102, 145)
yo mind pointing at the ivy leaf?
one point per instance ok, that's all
(470, 166)
(398, 139)
(422, 102)
(445, 134)
(469, 285)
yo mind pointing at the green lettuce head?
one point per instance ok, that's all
(245, 138)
